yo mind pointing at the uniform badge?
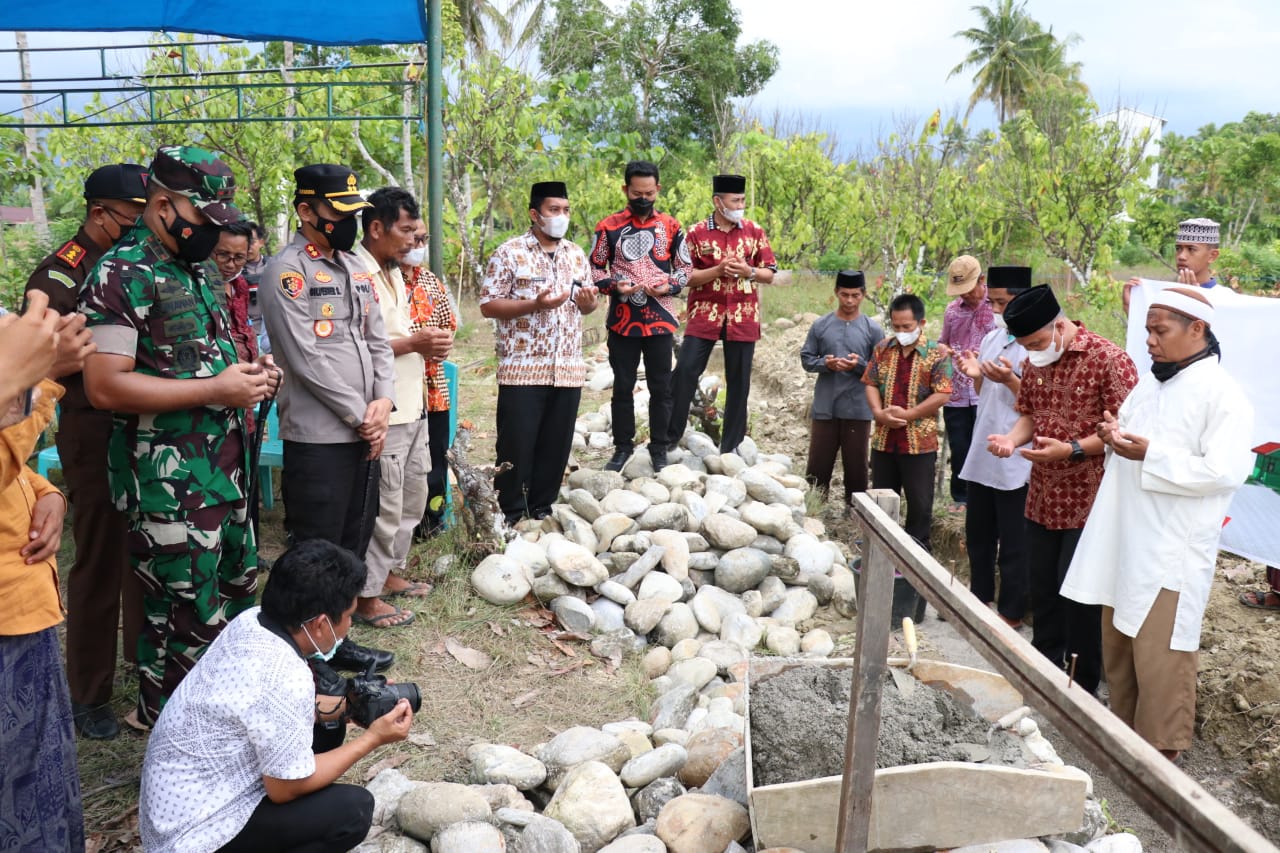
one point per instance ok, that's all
(324, 328)
(312, 251)
(326, 310)
(323, 277)
(72, 253)
(292, 283)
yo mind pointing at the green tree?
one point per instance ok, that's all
(1011, 55)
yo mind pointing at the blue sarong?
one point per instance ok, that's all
(39, 785)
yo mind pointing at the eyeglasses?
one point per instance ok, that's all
(228, 258)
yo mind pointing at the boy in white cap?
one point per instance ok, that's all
(1195, 250)
(1176, 453)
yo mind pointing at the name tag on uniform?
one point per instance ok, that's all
(315, 292)
(180, 326)
(170, 305)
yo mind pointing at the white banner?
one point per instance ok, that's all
(1248, 328)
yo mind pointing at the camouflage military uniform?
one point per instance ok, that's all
(181, 476)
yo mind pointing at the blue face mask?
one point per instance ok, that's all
(319, 655)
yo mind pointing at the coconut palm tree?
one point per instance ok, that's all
(1011, 52)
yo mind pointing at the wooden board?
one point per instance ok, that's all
(924, 807)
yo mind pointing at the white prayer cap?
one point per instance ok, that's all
(1186, 302)
(1198, 231)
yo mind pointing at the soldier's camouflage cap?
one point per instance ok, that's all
(201, 177)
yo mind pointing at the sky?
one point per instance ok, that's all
(856, 68)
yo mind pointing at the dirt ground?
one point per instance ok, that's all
(530, 682)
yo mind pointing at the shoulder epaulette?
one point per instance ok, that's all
(71, 253)
(312, 252)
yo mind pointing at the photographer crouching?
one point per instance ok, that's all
(245, 754)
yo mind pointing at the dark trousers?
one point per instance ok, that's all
(624, 357)
(846, 437)
(101, 576)
(959, 421)
(438, 478)
(1062, 627)
(535, 434)
(910, 474)
(995, 529)
(694, 353)
(334, 819)
(330, 492)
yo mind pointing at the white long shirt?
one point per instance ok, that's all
(1155, 523)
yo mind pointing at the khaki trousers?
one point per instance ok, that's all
(1153, 687)
(402, 498)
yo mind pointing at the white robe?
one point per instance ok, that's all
(1155, 523)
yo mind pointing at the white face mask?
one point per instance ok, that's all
(734, 216)
(1000, 323)
(555, 227)
(1046, 357)
(416, 257)
(907, 338)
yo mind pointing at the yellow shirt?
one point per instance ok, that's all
(29, 599)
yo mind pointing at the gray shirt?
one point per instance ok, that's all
(840, 394)
(327, 333)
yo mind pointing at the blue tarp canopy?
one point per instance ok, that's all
(338, 22)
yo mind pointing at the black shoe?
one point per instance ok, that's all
(328, 681)
(619, 459)
(658, 457)
(96, 722)
(353, 657)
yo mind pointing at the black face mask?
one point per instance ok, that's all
(340, 233)
(196, 242)
(1166, 370)
(641, 207)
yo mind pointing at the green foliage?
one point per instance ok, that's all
(1254, 267)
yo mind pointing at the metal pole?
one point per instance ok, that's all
(435, 140)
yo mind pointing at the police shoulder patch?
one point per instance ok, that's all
(312, 251)
(72, 253)
(292, 283)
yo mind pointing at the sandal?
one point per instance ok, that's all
(386, 620)
(415, 589)
(1258, 600)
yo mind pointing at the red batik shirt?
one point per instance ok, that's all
(651, 252)
(430, 307)
(728, 304)
(924, 371)
(1066, 400)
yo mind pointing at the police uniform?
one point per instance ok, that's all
(100, 575)
(181, 476)
(327, 333)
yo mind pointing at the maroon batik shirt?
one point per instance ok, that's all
(728, 304)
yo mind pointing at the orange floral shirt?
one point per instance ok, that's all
(430, 307)
(929, 373)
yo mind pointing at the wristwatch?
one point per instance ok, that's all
(1077, 452)
(752, 277)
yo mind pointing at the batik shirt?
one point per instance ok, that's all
(143, 303)
(1066, 400)
(545, 347)
(430, 307)
(652, 252)
(927, 373)
(963, 328)
(730, 305)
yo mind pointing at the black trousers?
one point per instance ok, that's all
(1062, 627)
(694, 353)
(959, 421)
(535, 434)
(995, 530)
(437, 444)
(330, 492)
(910, 474)
(334, 819)
(848, 438)
(624, 357)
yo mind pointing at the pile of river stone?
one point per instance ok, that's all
(694, 566)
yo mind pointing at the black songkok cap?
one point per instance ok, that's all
(119, 182)
(728, 184)
(1009, 278)
(851, 278)
(1031, 310)
(547, 189)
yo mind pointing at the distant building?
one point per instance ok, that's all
(16, 215)
(1133, 122)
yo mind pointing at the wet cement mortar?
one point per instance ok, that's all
(799, 719)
